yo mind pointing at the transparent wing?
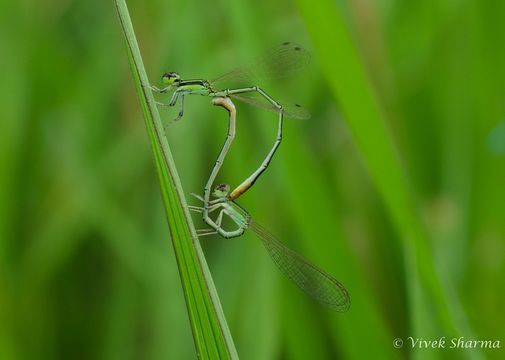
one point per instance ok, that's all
(293, 111)
(312, 280)
(278, 62)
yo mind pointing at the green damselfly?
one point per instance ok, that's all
(312, 280)
(276, 63)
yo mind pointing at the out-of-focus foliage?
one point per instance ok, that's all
(86, 266)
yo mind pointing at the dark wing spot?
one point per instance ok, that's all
(286, 43)
(298, 105)
(297, 48)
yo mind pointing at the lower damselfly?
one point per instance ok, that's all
(315, 282)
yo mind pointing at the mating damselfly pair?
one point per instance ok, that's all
(277, 63)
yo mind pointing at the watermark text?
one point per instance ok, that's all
(446, 343)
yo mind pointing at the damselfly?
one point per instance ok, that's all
(314, 281)
(276, 63)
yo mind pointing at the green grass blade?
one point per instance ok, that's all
(347, 79)
(210, 331)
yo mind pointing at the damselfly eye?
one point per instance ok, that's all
(169, 75)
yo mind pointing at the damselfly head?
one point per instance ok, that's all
(221, 190)
(170, 78)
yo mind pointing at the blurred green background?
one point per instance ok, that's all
(87, 269)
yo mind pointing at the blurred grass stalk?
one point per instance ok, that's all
(211, 334)
(348, 81)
